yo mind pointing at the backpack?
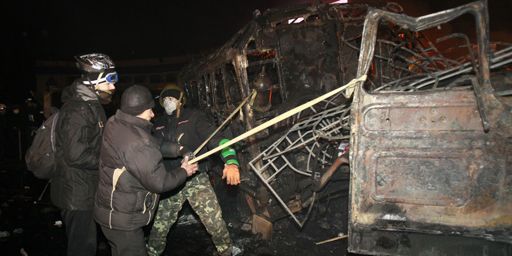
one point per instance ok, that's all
(40, 156)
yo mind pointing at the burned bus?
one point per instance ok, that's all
(429, 130)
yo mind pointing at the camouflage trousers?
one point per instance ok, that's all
(199, 193)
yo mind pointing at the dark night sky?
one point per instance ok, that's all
(59, 29)
(141, 29)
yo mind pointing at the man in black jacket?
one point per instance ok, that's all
(190, 128)
(78, 138)
(132, 174)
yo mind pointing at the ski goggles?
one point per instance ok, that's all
(110, 78)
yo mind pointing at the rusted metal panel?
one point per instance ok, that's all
(428, 163)
(431, 176)
(433, 163)
(423, 117)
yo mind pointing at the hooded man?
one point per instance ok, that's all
(78, 139)
(190, 128)
(132, 174)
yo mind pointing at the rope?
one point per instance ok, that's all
(280, 118)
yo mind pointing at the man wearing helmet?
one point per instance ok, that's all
(78, 139)
(99, 74)
(190, 128)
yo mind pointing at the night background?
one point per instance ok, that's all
(127, 30)
(142, 37)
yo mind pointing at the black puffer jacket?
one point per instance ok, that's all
(191, 129)
(78, 139)
(131, 174)
(193, 126)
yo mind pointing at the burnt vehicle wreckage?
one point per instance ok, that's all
(430, 129)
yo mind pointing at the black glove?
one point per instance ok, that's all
(170, 149)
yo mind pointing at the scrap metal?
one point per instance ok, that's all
(422, 113)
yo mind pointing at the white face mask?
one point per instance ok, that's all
(169, 105)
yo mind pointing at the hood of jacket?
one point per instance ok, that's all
(78, 91)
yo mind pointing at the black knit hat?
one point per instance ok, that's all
(136, 99)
